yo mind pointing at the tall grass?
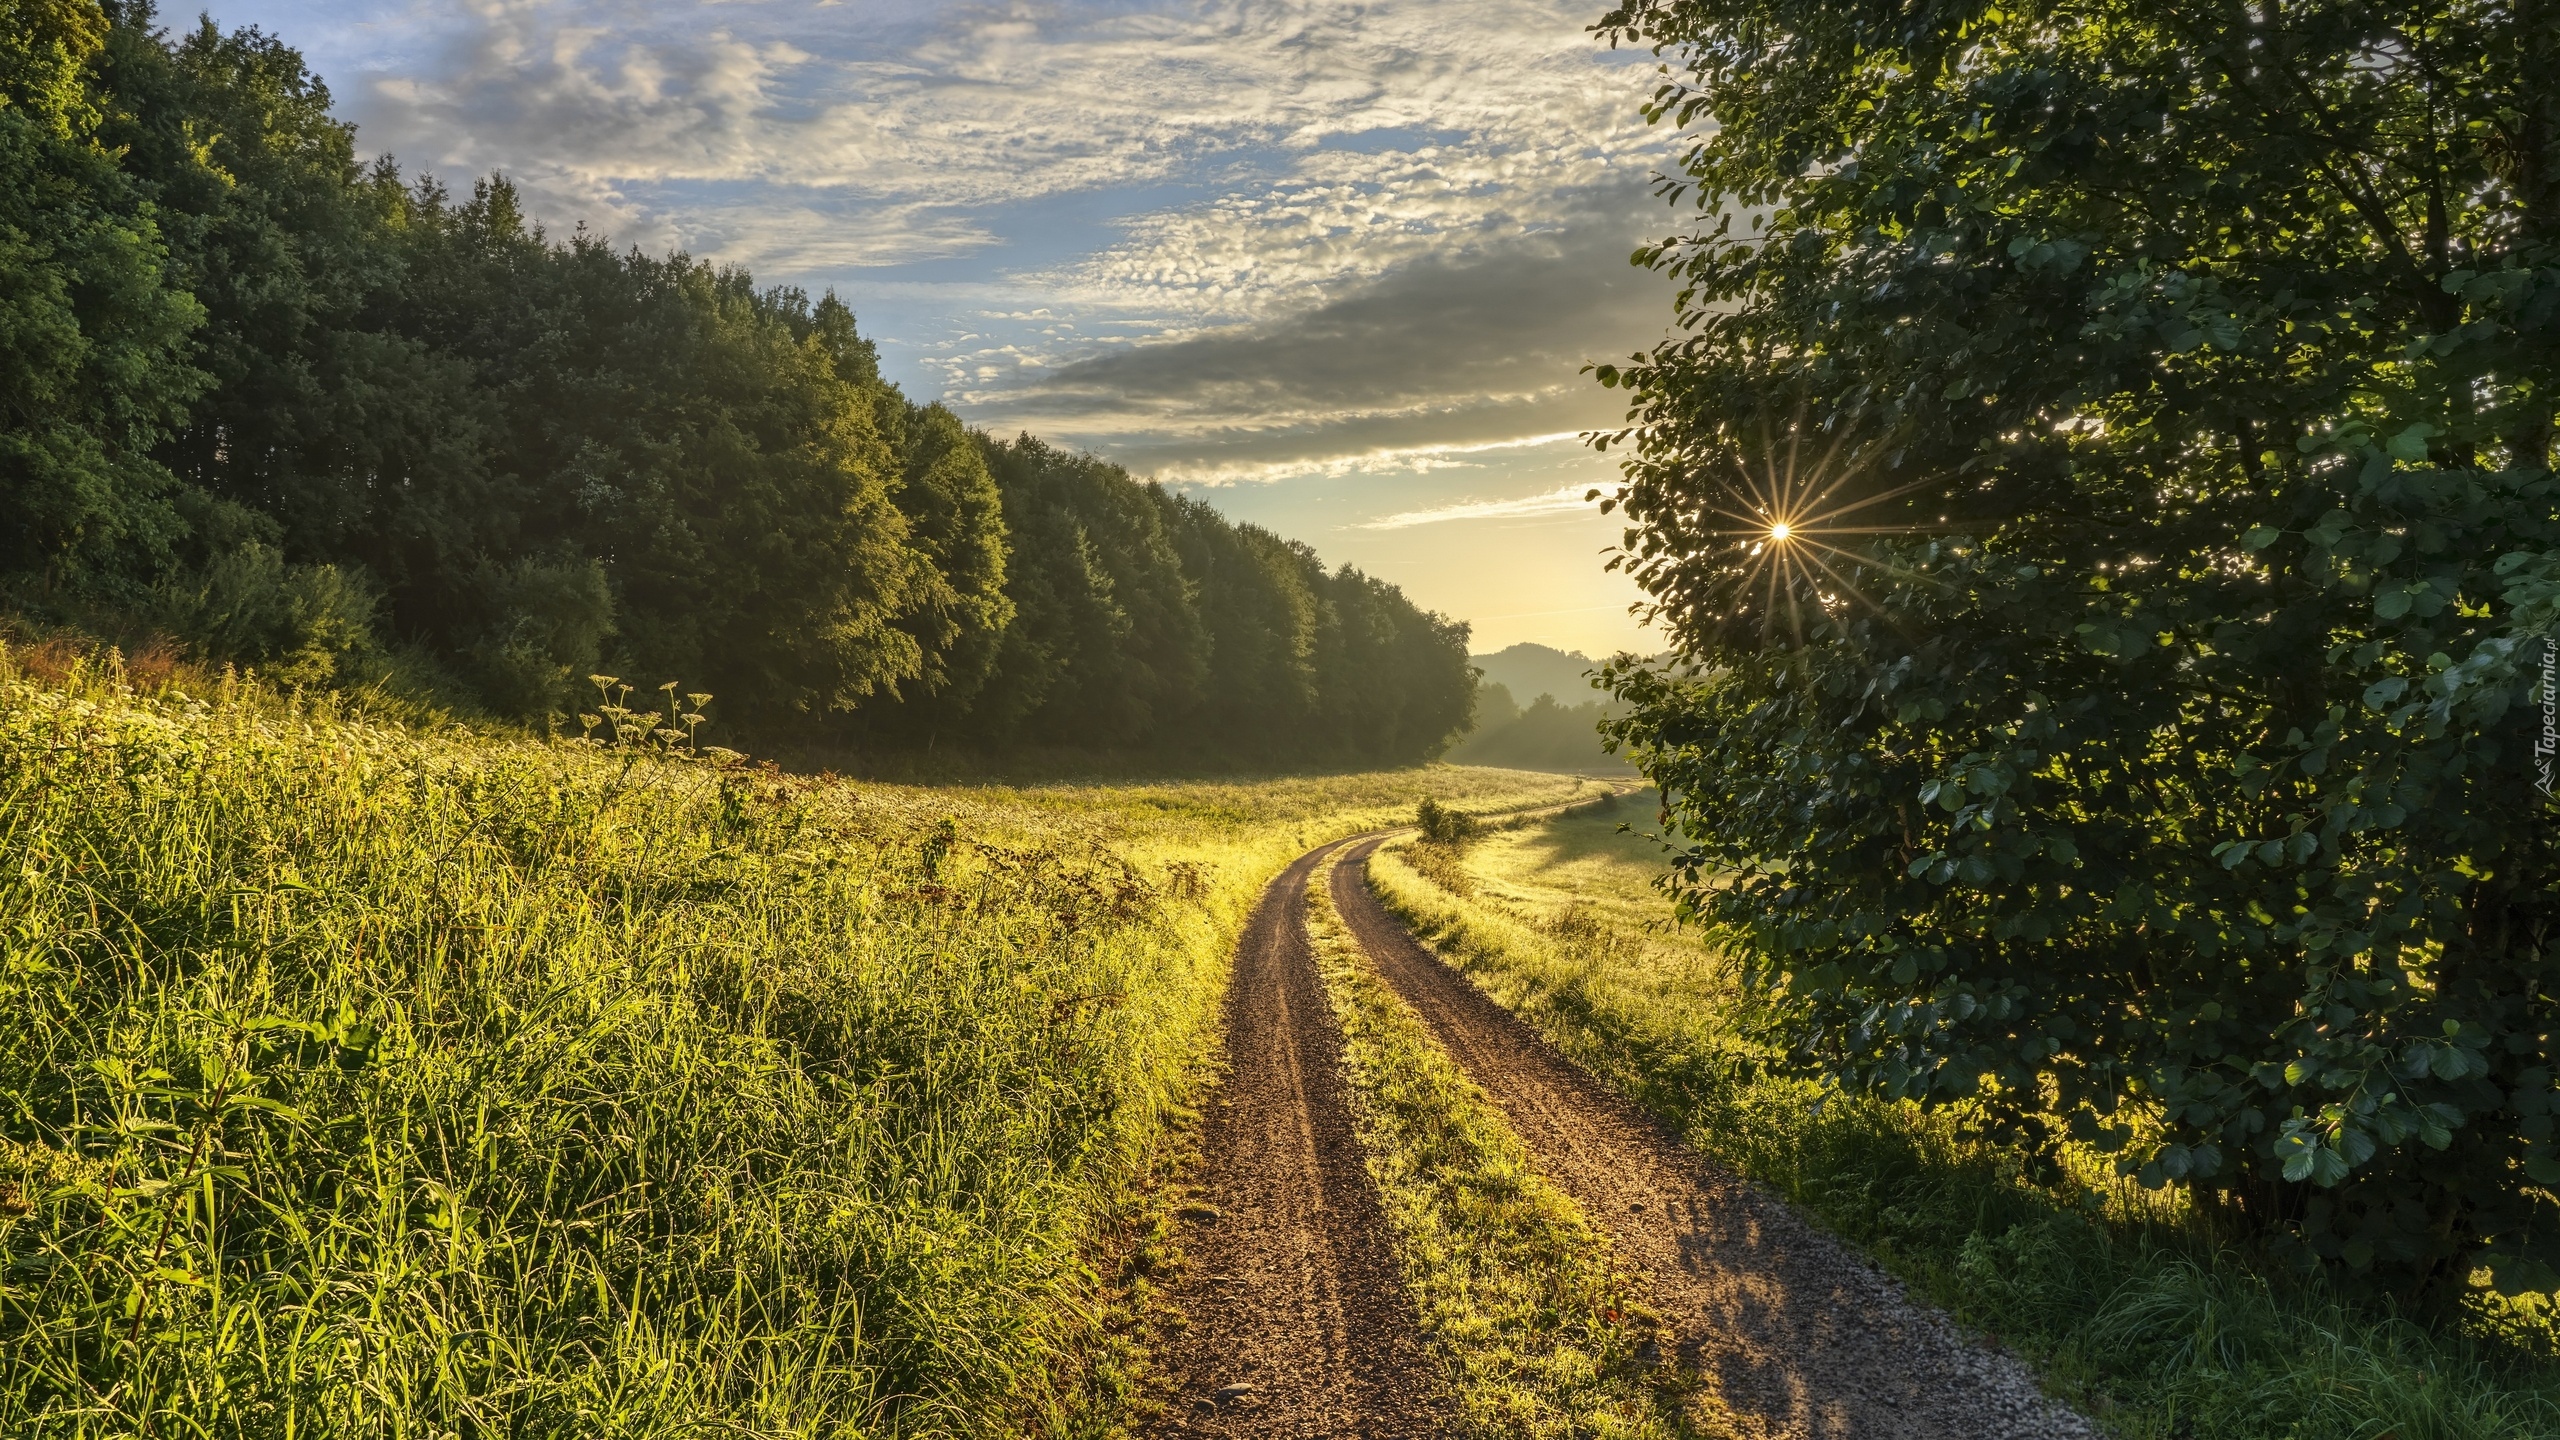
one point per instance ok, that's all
(357, 1080)
(2130, 1305)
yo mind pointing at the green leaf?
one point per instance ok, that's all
(2411, 444)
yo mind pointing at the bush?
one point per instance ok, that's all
(549, 620)
(300, 624)
(1444, 826)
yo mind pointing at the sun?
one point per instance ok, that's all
(1797, 549)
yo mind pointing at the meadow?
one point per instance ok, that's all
(2131, 1304)
(371, 1078)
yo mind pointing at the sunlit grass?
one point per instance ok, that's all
(361, 1080)
(2126, 1300)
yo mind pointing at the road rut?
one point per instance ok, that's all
(1293, 1290)
(1800, 1338)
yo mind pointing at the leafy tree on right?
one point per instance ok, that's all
(2101, 489)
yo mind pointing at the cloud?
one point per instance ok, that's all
(778, 238)
(599, 108)
(1562, 500)
(1437, 356)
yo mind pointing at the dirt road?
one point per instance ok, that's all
(1797, 1335)
(1292, 1293)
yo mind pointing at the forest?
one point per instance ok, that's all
(294, 409)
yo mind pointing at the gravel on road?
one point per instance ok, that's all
(1296, 1322)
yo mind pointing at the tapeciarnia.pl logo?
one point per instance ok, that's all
(2547, 743)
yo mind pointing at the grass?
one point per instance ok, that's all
(364, 1080)
(2128, 1303)
(1518, 1295)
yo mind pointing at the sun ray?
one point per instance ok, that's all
(1871, 562)
(1895, 493)
(1769, 604)
(1847, 471)
(1854, 592)
(1795, 605)
(1784, 506)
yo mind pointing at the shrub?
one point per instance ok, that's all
(299, 623)
(1444, 826)
(548, 623)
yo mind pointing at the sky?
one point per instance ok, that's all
(1332, 267)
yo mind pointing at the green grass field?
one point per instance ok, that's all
(364, 1080)
(2132, 1306)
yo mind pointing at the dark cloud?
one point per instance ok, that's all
(1442, 352)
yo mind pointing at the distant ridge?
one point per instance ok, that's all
(1536, 709)
(1529, 671)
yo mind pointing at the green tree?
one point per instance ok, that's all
(665, 418)
(95, 352)
(2125, 736)
(1258, 599)
(1393, 680)
(1108, 650)
(959, 611)
(352, 436)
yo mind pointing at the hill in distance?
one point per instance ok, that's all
(1536, 710)
(1529, 671)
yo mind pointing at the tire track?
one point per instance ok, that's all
(1293, 1293)
(1798, 1336)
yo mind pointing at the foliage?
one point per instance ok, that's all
(94, 355)
(369, 1081)
(2126, 735)
(298, 623)
(1442, 825)
(2140, 1309)
(1540, 1331)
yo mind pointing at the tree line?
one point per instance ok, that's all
(1547, 734)
(2137, 738)
(303, 411)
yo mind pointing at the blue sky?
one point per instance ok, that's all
(1333, 267)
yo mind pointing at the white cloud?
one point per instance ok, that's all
(971, 106)
(1390, 460)
(1561, 500)
(1437, 356)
